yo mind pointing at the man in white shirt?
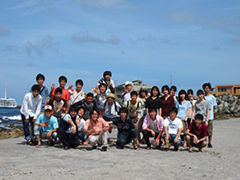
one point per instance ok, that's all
(173, 128)
(30, 109)
(126, 95)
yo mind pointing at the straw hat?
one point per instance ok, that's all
(111, 95)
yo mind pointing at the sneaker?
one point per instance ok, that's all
(209, 145)
(94, 147)
(66, 147)
(104, 149)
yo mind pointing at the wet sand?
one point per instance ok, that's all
(21, 161)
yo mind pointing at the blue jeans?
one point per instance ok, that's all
(26, 127)
(125, 138)
(171, 139)
(81, 136)
(43, 134)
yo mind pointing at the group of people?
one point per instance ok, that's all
(73, 117)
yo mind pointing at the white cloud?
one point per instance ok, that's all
(225, 24)
(86, 37)
(117, 4)
(4, 30)
(150, 38)
(41, 47)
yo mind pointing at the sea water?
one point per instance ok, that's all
(10, 116)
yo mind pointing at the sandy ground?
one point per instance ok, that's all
(21, 161)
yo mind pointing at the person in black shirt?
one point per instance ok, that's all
(153, 101)
(126, 129)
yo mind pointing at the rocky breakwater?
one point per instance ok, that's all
(228, 107)
(11, 132)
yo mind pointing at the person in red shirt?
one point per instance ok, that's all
(197, 133)
(65, 94)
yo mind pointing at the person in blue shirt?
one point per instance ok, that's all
(46, 126)
(43, 91)
(212, 101)
(184, 108)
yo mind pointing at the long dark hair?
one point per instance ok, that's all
(155, 87)
(180, 100)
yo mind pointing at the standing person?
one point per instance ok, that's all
(43, 91)
(76, 94)
(89, 104)
(202, 107)
(152, 127)
(46, 127)
(172, 128)
(68, 129)
(153, 101)
(134, 107)
(30, 109)
(58, 104)
(143, 95)
(167, 102)
(109, 83)
(184, 107)
(173, 90)
(192, 101)
(126, 94)
(212, 101)
(126, 129)
(197, 133)
(96, 130)
(101, 96)
(65, 94)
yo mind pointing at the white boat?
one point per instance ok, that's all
(7, 102)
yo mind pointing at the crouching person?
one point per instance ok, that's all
(96, 130)
(126, 129)
(80, 124)
(197, 133)
(152, 127)
(46, 126)
(173, 128)
(68, 129)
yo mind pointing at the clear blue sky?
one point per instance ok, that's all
(198, 41)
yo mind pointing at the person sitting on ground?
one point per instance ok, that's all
(58, 104)
(30, 109)
(109, 83)
(126, 94)
(172, 128)
(65, 94)
(153, 101)
(109, 108)
(46, 126)
(196, 134)
(89, 104)
(43, 91)
(76, 94)
(152, 127)
(68, 129)
(80, 124)
(100, 97)
(134, 107)
(96, 130)
(126, 129)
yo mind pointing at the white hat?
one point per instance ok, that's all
(128, 83)
(48, 107)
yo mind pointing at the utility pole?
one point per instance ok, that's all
(171, 78)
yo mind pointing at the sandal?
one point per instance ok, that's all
(29, 141)
(136, 147)
(38, 145)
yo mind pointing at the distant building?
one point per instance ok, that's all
(137, 84)
(226, 89)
